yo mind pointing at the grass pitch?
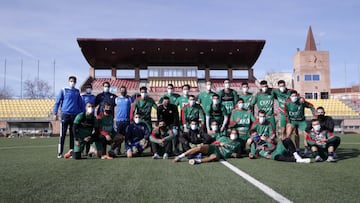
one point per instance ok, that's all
(30, 172)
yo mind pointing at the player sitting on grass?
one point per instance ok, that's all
(84, 125)
(195, 136)
(107, 134)
(269, 149)
(322, 143)
(225, 147)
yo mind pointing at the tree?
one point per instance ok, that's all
(5, 93)
(37, 89)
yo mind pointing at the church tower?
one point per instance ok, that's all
(312, 71)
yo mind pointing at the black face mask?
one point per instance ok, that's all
(321, 117)
(163, 128)
(123, 93)
(109, 112)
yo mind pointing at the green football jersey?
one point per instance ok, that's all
(281, 97)
(85, 126)
(244, 124)
(264, 101)
(232, 147)
(264, 129)
(106, 123)
(296, 110)
(228, 99)
(247, 100)
(173, 97)
(205, 99)
(216, 113)
(143, 107)
(189, 113)
(181, 101)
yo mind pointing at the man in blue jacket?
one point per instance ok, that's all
(70, 102)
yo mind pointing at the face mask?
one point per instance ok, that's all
(88, 90)
(163, 128)
(261, 120)
(109, 112)
(227, 85)
(185, 92)
(215, 101)
(71, 84)
(143, 94)
(245, 89)
(106, 89)
(170, 91)
(137, 120)
(264, 89)
(192, 102)
(321, 117)
(241, 105)
(208, 87)
(193, 127)
(317, 127)
(282, 89)
(256, 138)
(214, 127)
(233, 136)
(89, 110)
(294, 99)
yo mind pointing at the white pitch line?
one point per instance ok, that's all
(266, 189)
(22, 147)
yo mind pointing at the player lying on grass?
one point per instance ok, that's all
(224, 147)
(322, 143)
(269, 149)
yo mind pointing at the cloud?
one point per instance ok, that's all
(18, 49)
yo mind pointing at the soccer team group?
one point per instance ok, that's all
(203, 128)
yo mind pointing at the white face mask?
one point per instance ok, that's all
(88, 90)
(89, 110)
(227, 85)
(282, 89)
(106, 89)
(216, 101)
(208, 87)
(214, 127)
(71, 84)
(241, 105)
(262, 120)
(170, 91)
(264, 89)
(185, 92)
(143, 94)
(137, 120)
(294, 99)
(245, 89)
(191, 102)
(317, 127)
(193, 127)
(233, 136)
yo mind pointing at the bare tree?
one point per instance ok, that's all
(37, 89)
(5, 93)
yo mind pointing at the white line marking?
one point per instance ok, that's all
(23, 147)
(266, 189)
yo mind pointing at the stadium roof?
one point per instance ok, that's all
(130, 52)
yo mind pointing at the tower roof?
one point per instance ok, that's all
(310, 41)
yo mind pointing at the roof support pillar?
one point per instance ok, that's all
(113, 73)
(137, 73)
(230, 73)
(92, 72)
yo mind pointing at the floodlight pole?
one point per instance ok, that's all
(21, 78)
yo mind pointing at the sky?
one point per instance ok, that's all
(41, 34)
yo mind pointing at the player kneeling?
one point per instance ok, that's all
(224, 147)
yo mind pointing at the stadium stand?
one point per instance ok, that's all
(333, 107)
(161, 85)
(25, 108)
(129, 84)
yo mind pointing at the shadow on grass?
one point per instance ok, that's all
(347, 153)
